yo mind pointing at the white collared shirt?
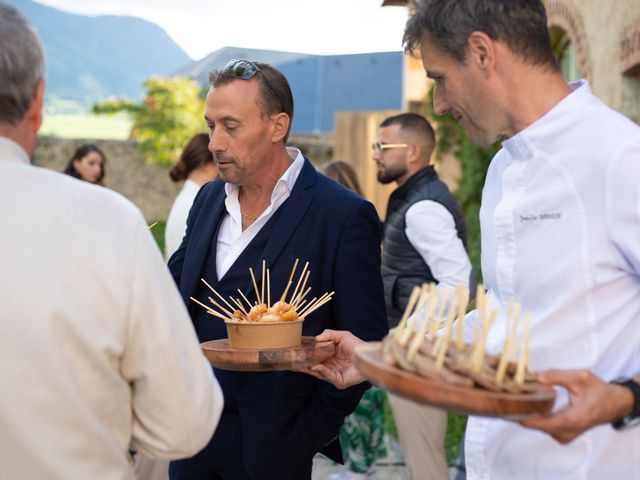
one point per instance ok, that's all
(99, 353)
(560, 222)
(232, 240)
(431, 230)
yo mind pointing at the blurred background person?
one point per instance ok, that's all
(196, 167)
(343, 173)
(88, 163)
(362, 433)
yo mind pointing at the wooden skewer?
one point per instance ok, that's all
(301, 296)
(302, 288)
(462, 307)
(478, 354)
(209, 310)
(315, 301)
(317, 305)
(295, 291)
(224, 310)
(433, 295)
(411, 330)
(237, 302)
(262, 284)
(245, 298)
(268, 289)
(453, 310)
(435, 325)
(413, 298)
(301, 310)
(300, 305)
(293, 271)
(255, 285)
(217, 294)
(524, 352)
(513, 310)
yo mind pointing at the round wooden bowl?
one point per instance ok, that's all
(262, 335)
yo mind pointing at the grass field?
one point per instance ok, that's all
(88, 126)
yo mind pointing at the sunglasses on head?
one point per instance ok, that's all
(245, 70)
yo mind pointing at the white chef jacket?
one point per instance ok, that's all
(98, 352)
(560, 223)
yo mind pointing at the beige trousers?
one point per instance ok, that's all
(421, 431)
(144, 468)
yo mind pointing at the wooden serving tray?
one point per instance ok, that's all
(309, 353)
(468, 401)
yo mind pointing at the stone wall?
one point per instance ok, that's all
(147, 186)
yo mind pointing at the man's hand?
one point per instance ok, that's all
(591, 402)
(339, 369)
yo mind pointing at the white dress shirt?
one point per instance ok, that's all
(232, 240)
(560, 222)
(431, 230)
(98, 352)
(177, 220)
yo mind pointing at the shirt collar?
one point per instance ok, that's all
(285, 182)
(11, 151)
(523, 145)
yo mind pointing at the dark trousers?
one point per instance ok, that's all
(222, 459)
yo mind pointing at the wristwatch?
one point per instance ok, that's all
(633, 418)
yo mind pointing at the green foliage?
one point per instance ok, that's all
(157, 231)
(169, 116)
(456, 425)
(474, 161)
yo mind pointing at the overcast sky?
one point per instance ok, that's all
(307, 26)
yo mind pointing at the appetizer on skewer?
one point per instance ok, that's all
(430, 350)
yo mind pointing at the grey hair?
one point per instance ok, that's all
(22, 64)
(520, 24)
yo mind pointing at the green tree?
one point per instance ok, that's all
(169, 116)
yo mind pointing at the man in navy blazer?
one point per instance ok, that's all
(270, 203)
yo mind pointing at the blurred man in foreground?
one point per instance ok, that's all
(99, 356)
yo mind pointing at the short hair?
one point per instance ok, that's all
(275, 92)
(520, 24)
(21, 64)
(412, 122)
(194, 155)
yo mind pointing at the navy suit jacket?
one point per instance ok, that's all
(287, 416)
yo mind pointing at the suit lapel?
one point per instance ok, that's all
(205, 227)
(294, 210)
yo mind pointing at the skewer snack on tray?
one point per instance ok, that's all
(285, 309)
(424, 343)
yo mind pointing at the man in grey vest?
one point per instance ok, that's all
(424, 241)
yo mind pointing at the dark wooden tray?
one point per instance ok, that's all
(468, 401)
(309, 353)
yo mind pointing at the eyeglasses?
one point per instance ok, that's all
(379, 146)
(245, 70)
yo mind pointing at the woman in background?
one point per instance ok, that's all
(88, 163)
(343, 173)
(196, 167)
(362, 433)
